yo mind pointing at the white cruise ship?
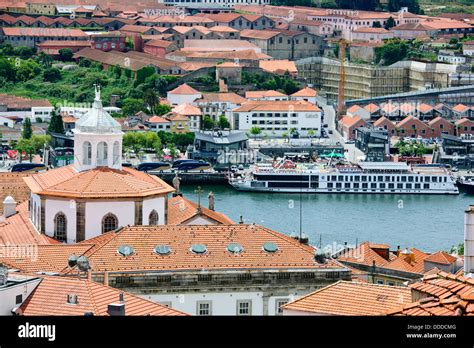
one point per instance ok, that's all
(366, 177)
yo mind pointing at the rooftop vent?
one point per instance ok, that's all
(83, 263)
(235, 248)
(72, 299)
(270, 247)
(198, 248)
(72, 260)
(162, 249)
(125, 250)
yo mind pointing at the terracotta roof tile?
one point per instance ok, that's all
(184, 89)
(49, 298)
(143, 239)
(441, 257)
(460, 108)
(12, 184)
(103, 182)
(305, 92)
(278, 66)
(229, 97)
(187, 110)
(18, 230)
(263, 94)
(352, 298)
(280, 105)
(44, 32)
(371, 108)
(181, 210)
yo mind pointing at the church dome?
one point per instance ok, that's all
(97, 120)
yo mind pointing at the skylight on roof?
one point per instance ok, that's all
(162, 249)
(235, 248)
(198, 248)
(270, 247)
(125, 250)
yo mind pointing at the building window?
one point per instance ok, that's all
(244, 307)
(204, 308)
(18, 299)
(87, 150)
(380, 281)
(102, 154)
(278, 304)
(109, 223)
(60, 227)
(116, 152)
(153, 218)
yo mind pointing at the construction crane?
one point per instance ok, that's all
(342, 78)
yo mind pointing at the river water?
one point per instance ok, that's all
(427, 222)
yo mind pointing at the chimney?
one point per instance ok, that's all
(469, 242)
(89, 274)
(106, 278)
(9, 206)
(398, 250)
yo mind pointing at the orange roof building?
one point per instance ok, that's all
(95, 194)
(59, 296)
(350, 298)
(183, 94)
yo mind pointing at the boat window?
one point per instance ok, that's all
(400, 185)
(387, 178)
(404, 178)
(365, 185)
(391, 186)
(364, 178)
(408, 186)
(427, 179)
(435, 179)
(356, 185)
(445, 179)
(417, 186)
(380, 178)
(382, 185)
(426, 186)
(373, 185)
(410, 179)
(347, 185)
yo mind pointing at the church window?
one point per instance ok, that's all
(87, 150)
(102, 154)
(153, 218)
(116, 152)
(109, 223)
(60, 227)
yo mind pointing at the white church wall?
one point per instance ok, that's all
(95, 211)
(158, 204)
(35, 210)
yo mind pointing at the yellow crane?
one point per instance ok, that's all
(342, 78)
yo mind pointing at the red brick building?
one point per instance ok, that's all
(109, 41)
(413, 127)
(440, 126)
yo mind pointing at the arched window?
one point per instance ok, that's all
(60, 227)
(153, 218)
(87, 153)
(116, 152)
(102, 154)
(109, 223)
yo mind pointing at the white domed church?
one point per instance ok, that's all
(96, 194)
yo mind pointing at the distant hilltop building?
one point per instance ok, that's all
(211, 4)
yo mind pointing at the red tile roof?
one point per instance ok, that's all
(441, 257)
(44, 32)
(352, 298)
(222, 97)
(364, 254)
(280, 105)
(264, 94)
(187, 110)
(445, 295)
(305, 92)
(181, 210)
(278, 66)
(15, 102)
(100, 182)
(184, 89)
(18, 230)
(49, 298)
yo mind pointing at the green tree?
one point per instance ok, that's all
(457, 249)
(130, 106)
(151, 99)
(40, 140)
(65, 54)
(56, 124)
(223, 122)
(391, 52)
(173, 151)
(162, 109)
(27, 131)
(24, 52)
(390, 23)
(255, 131)
(51, 75)
(25, 146)
(376, 24)
(45, 60)
(207, 123)
(27, 70)
(311, 133)
(7, 69)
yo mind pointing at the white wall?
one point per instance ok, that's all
(68, 207)
(312, 100)
(154, 203)
(223, 303)
(95, 211)
(177, 99)
(8, 295)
